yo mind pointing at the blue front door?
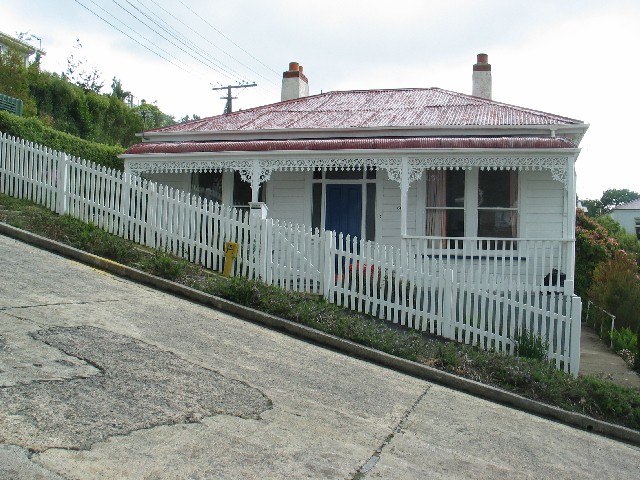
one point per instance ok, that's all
(343, 211)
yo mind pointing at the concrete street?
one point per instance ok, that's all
(104, 378)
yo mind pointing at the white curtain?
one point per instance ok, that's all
(436, 201)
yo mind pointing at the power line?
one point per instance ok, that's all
(129, 36)
(182, 39)
(182, 42)
(228, 39)
(210, 65)
(215, 46)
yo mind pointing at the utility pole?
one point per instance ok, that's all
(229, 98)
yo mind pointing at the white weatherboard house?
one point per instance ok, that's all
(628, 216)
(401, 166)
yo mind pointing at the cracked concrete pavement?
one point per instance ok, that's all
(135, 386)
(196, 393)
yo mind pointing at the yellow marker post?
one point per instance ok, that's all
(230, 254)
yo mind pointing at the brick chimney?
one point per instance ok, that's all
(482, 77)
(294, 83)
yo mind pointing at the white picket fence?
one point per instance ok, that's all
(484, 297)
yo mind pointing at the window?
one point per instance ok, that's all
(498, 203)
(470, 203)
(638, 228)
(445, 203)
(207, 185)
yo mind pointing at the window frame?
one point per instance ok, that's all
(471, 207)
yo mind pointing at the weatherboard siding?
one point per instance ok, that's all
(179, 181)
(289, 197)
(389, 212)
(541, 205)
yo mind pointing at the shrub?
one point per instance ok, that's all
(531, 345)
(628, 242)
(32, 130)
(90, 238)
(594, 245)
(624, 339)
(616, 288)
(164, 265)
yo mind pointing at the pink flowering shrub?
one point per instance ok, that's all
(594, 245)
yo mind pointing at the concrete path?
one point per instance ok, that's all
(596, 358)
(104, 378)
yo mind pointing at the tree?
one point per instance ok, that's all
(187, 119)
(593, 208)
(117, 90)
(153, 116)
(610, 199)
(613, 198)
(14, 80)
(88, 80)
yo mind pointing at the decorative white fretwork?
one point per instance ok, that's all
(557, 164)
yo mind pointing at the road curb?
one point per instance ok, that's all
(345, 346)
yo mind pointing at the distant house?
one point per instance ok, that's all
(8, 43)
(398, 166)
(628, 216)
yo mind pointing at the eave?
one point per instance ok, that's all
(356, 153)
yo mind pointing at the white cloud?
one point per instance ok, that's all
(573, 57)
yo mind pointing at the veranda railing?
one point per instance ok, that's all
(479, 291)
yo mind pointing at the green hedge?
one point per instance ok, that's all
(33, 130)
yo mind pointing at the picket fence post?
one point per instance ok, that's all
(449, 310)
(574, 342)
(62, 186)
(152, 211)
(261, 244)
(327, 265)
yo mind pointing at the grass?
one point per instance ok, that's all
(534, 378)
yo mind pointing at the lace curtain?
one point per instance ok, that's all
(436, 201)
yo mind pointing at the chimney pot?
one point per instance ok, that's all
(483, 58)
(293, 66)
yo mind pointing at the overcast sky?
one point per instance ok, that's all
(577, 58)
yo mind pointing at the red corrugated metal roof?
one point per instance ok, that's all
(352, 144)
(375, 108)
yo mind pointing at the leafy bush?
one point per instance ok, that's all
(31, 129)
(90, 238)
(628, 242)
(164, 265)
(530, 345)
(616, 288)
(594, 245)
(624, 339)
